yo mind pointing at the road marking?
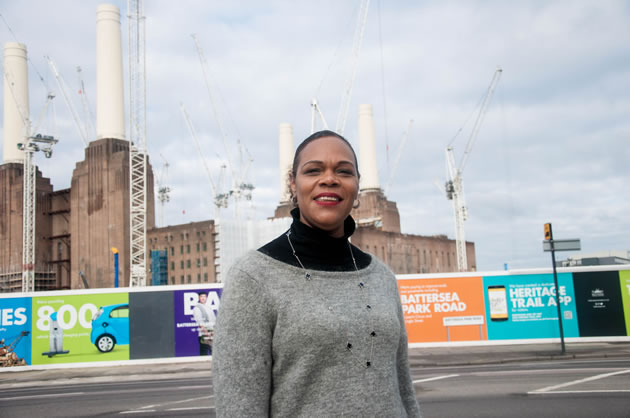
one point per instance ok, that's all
(189, 409)
(434, 378)
(151, 408)
(576, 382)
(49, 395)
(579, 391)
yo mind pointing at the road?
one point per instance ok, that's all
(575, 388)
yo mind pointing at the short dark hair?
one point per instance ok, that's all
(203, 292)
(315, 136)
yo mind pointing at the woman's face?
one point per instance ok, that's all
(326, 184)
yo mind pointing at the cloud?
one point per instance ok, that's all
(552, 146)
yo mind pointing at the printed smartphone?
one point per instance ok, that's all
(498, 303)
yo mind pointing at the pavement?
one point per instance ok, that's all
(418, 358)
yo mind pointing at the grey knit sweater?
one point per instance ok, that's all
(290, 347)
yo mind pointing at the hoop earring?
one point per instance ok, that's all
(356, 204)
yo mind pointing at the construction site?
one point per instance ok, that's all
(101, 231)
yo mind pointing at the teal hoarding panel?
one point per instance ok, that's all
(531, 307)
(15, 327)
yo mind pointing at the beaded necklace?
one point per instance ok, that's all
(363, 288)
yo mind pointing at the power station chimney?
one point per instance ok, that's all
(110, 102)
(367, 149)
(285, 146)
(16, 109)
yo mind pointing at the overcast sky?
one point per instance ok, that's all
(554, 145)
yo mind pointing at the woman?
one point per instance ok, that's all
(309, 325)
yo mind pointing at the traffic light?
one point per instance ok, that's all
(548, 235)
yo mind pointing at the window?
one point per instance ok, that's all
(448, 256)
(187, 248)
(187, 263)
(181, 279)
(172, 251)
(198, 263)
(205, 246)
(198, 277)
(197, 234)
(181, 249)
(172, 265)
(181, 264)
(188, 279)
(197, 246)
(205, 277)
(205, 261)
(172, 279)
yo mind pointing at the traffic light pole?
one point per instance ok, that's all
(549, 237)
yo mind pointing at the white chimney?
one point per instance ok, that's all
(367, 149)
(110, 104)
(16, 109)
(285, 148)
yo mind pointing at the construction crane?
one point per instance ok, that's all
(83, 130)
(219, 200)
(33, 144)
(316, 112)
(454, 176)
(88, 117)
(401, 147)
(347, 92)
(137, 144)
(162, 190)
(239, 188)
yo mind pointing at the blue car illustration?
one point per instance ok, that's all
(110, 326)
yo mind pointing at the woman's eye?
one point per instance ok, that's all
(311, 171)
(347, 172)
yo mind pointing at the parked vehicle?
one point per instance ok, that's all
(110, 326)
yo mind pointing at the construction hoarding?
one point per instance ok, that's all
(47, 328)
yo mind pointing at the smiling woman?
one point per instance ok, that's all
(309, 325)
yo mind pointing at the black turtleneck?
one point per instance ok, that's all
(316, 249)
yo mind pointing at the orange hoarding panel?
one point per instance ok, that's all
(447, 309)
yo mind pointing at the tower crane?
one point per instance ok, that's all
(239, 187)
(162, 190)
(137, 144)
(83, 130)
(315, 112)
(401, 147)
(32, 144)
(356, 48)
(219, 200)
(87, 113)
(454, 176)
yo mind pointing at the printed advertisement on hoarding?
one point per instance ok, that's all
(599, 304)
(524, 306)
(439, 310)
(80, 328)
(195, 316)
(624, 281)
(15, 332)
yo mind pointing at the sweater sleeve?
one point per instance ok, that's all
(242, 358)
(407, 392)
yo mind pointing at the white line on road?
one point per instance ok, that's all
(434, 378)
(189, 409)
(576, 382)
(578, 391)
(49, 395)
(151, 408)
